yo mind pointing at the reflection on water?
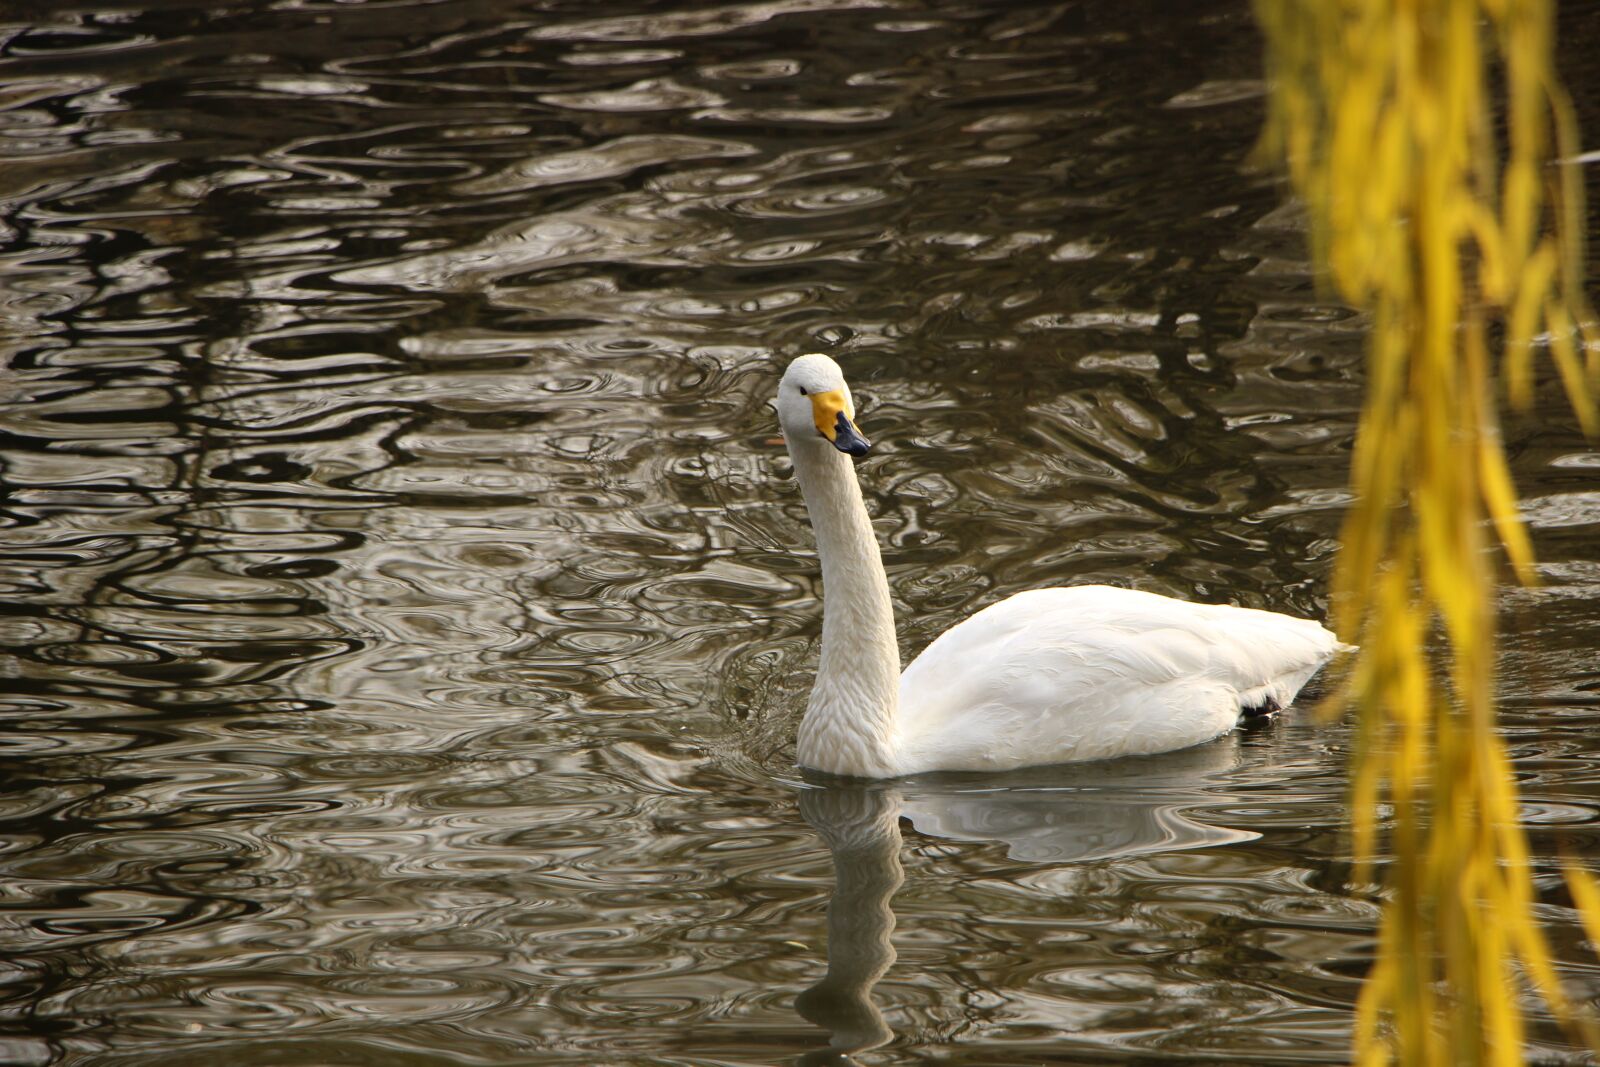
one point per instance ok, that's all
(1073, 814)
(1061, 815)
(407, 609)
(860, 824)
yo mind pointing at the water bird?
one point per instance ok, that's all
(1053, 675)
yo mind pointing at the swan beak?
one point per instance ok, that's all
(848, 439)
(832, 411)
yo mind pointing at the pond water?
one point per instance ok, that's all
(408, 611)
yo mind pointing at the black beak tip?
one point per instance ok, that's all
(848, 440)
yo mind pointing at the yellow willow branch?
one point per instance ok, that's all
(1382, 115)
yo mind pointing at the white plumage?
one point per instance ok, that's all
(1055, 675)
(1046, 676)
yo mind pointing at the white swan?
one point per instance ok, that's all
(1047, 676)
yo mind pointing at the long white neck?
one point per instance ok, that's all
(849, 727)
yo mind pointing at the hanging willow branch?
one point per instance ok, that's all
(1381, 111)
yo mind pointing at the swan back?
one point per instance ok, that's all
(1089, 672)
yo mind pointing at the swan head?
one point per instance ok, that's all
(814, 404)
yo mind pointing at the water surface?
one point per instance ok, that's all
(408, 611)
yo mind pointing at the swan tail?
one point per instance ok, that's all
(1272, 697)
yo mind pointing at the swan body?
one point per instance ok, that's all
(1045, 676)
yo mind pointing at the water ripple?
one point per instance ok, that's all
(409, 604)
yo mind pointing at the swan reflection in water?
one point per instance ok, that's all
(1050, 815)
(860, 823)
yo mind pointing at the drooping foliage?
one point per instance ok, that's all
(1427, 139)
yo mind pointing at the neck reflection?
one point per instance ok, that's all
(860, 823)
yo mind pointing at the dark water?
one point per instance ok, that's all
(407, 611)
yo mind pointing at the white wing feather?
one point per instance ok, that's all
(1087, 672)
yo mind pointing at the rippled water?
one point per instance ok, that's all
(407, 610)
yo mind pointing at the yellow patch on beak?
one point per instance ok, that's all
(825, 409)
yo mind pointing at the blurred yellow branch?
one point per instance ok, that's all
(1381, 114)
